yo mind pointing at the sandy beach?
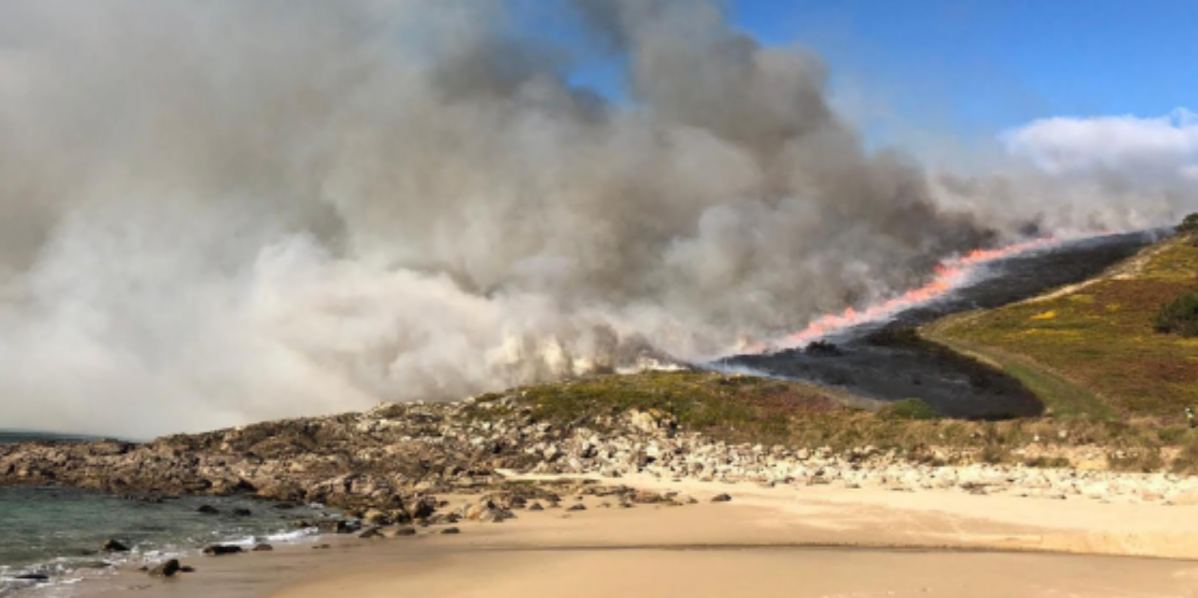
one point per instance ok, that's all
(815, 541)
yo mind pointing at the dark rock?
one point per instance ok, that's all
(242, 512)
(347, 526)
(577, 507)
(536, 506)
(405, 531)
(321, 547)
(187, 569)
(113, 546)
(721, 498)
(263, 548)
(424, 508)
(35, 577)
(372, 532)
(208, 510)
(167, 569)
(451, 530)
(222, 549)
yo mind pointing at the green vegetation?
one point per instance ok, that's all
(739, 408)
(909, 409)
(1063, 399)
(1188, 225)
(745, 409)
(1179, 316)
(1093, 352)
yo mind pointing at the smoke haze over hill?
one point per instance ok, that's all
(214, 212)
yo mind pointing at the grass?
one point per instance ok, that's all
(743, 409)
(735, 408)
(1062, 397)
(909, 409)
(1093, 352)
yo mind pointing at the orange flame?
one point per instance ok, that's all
(949, 275)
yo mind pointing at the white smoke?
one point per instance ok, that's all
(216, 212)
(1150, 150)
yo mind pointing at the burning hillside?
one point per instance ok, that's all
(216, 212)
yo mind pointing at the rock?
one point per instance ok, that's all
(405, 531)
(371, 533)
(577, 507)
(451, 530)
(443, 518)
(376, 517)
(208, 510)
(263, 548)
(343, 526)
(321, 547)
(495, 516)
(222, 549)
(424, 507)
(242, 512)
(721, 498)
(187, 569)
(536, 506)
(34, 577)
(167, 569)
(646, 497)
(113, 546)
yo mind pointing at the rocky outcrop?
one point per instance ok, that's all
(386, 465)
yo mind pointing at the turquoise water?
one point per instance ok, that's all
(57, 532)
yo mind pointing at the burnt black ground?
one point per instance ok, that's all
(880, 361)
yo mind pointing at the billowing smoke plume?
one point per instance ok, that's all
(214, 212)
(1086, 174)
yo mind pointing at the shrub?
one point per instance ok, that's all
(908, 409)
(1188, 225)
(1179, 316)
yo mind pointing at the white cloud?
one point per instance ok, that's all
(1143, 148)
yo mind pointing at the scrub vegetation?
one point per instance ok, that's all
(768, 412)
(1117, 348)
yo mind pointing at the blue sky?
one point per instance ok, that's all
(973, 68)
(981, 66)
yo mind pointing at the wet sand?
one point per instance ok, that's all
(812, 541)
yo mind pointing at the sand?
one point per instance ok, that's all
(815, 541)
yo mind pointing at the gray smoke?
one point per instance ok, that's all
(215, 212)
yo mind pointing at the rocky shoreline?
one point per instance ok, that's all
(396, 458)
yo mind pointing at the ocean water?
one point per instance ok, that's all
(57, 532)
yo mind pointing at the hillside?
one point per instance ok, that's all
(1091, 350)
